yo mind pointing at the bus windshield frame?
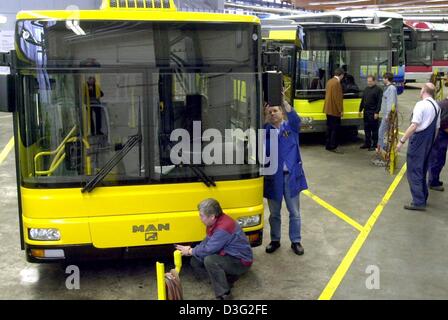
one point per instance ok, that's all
(88, 88)
(329, 47)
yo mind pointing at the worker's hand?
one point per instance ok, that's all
(399, 145)
(184, 250)
(376, 116)
(285, 103)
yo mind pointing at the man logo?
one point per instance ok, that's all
(151, 228)
(151, 236)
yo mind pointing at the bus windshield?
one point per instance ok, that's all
(89, 87)
(441, 52)
(421, 55)
(326, 49)
(396, 25)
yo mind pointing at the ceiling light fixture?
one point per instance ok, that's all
(335, 2)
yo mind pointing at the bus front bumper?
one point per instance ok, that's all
(310, 125)
(88, 252)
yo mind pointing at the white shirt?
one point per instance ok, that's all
(424, 114)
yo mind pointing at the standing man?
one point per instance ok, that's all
(289, 179)
(225, 252)
(95, 95)
(437, 158)
(334, 109)
(421, 134)
(371, 105)
(389, 99)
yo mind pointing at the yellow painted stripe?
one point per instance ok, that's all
(401, 133)
(6, 150)
(337, 277)
(333, 210)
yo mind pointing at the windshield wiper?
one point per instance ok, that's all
(202, 175)
(132, 141)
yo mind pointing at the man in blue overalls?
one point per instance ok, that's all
(437, 158)
(421, 133)
(288, 180)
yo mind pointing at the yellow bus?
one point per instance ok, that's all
(98, 96)
(310, 52)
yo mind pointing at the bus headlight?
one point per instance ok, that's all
(44, 234)
(249, 221)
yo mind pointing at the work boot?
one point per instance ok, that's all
(414, 207)
(274, 245)
(337, 151)
(297, 248)
(437, 188)
(225, 296)
(364, 146)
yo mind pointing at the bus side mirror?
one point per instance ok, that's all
(272, 88)
(7, 93)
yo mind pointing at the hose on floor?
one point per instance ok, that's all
(173, 286)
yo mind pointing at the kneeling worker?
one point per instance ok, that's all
(225, 252)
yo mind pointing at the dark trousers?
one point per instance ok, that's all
(96, 119)
(371, 126)
(417, 159)
(219, 269)
(437, 158)
(333, 125)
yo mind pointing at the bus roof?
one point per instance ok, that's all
(288, 32)
(345, 26)
(136, 15)
(440, 26)
(419, 25)
(345, 14)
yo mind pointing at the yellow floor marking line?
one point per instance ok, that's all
(337, 277)
(6, 150)
(333, 210)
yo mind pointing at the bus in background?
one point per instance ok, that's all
(99, 94)
(440, 54)
(312, 51)
(419, 47)
(394, 20)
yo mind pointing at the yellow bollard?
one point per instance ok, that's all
(161, 289)
(392, 140)
(177, 260)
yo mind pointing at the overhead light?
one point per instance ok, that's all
(419, 11)
(335, 2)
(74, 26)
(420, 7)
(3, 19)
